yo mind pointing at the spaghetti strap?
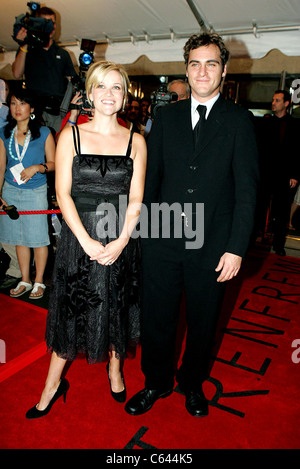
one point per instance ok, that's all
(129, 144)
(76, 139)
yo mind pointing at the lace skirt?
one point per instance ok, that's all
(93, 309)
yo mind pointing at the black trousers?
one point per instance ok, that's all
(168, 270)
(280, 195)
(282, 198)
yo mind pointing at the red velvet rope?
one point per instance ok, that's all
(36, 212)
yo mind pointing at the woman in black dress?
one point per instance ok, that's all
(94, 304)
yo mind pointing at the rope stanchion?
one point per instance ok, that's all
(34, 212)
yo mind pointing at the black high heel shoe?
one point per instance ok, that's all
(118, 396)
(62, 389)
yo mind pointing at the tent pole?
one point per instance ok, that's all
(197, 15)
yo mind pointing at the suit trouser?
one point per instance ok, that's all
(168, 270)
(280, 212)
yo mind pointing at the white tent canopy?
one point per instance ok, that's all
(264, 24)
(158, 29)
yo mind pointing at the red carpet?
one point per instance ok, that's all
(253, 388)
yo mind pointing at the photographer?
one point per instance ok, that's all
(181, 88)
(46, 69)
(159, 98)
(75, 116)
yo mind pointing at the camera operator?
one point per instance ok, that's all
(181, 88)
(74, 115)
(46, 69)
(159, 98)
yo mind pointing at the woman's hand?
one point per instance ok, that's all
(111, 252)
(2, 202)
(29, 172)
(93, 248)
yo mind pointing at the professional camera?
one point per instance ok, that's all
(86, 57)
(77, 83)
(38, 29)
(161, 97)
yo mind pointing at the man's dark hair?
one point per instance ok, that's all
(205, 39)
(286, 95)
(46, 11)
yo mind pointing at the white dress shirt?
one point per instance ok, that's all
(195, 114)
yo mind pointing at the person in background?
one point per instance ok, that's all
(180, 87)
(46, 69)
(133, 115)
(4, 89)
(27, 151)
(145, 104)
(280, 168)
(294, 208)
(13, 274)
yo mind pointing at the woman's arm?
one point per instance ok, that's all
(137, 185)
(139, 155)
(2, 169)
(29, 172)
(50, 154)
(63, 184)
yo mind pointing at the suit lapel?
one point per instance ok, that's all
(184, 118)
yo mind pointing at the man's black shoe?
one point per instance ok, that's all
(9, 282)
(144, 400)
(196, 403)
(280, 252)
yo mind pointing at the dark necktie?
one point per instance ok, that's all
(198, 129)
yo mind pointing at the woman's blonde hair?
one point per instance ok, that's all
(98, 71)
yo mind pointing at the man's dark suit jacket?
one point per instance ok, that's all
(221, 173)
(279, 150)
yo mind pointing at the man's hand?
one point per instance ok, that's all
(229, 265)
(22, 34)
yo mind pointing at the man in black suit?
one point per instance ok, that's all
(280, 171)
(215, 171)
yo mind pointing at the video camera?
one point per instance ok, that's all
(161, 97)
(38, 29)
(77, 83)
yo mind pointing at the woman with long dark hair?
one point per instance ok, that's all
(27, 152)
